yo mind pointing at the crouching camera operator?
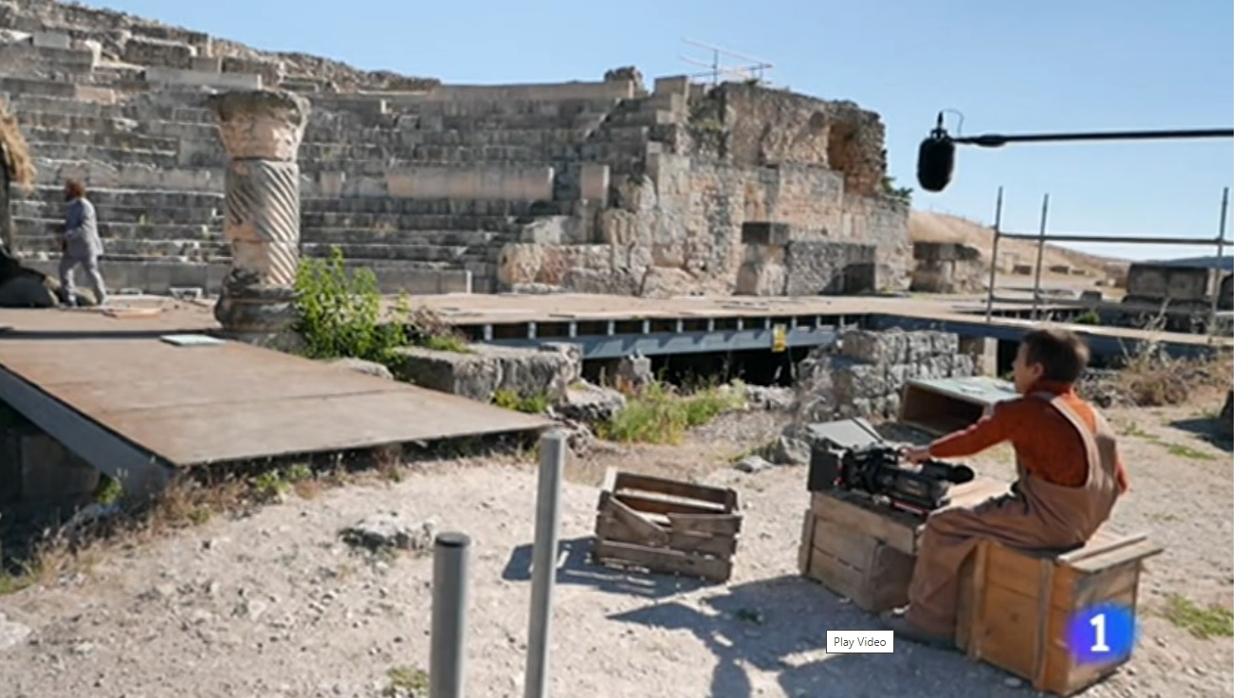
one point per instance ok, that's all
(1069, 477)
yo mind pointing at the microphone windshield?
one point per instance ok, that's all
(935, 161)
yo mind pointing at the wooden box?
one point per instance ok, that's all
(1015, 605)
(667, 526)
(864, 550)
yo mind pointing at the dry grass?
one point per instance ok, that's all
(1150, 378)
(21, 166)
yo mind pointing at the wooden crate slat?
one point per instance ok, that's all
(858, 551)
(630, 481)
(643, 530)
(657, 559)
(657, 505)
(705, 523)
(892, 531)
(719, 546)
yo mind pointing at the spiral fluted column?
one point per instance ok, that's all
(261, 131)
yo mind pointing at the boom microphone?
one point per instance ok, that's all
(936, 158)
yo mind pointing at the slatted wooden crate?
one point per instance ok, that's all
(1015, 606)
(667, 526)
(864, 550)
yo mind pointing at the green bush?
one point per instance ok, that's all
(445, 342)
(511, 400)
(340, 312)
(1089, 317)
(659, 415)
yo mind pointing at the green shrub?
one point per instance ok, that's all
(109, 490)
(446, 342)
(1210, 621)
(659, 415)
(511, 400)
(1088, 317)
(340, 312)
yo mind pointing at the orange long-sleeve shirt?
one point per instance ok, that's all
(1045, 442)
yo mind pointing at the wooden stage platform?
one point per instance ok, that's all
(614, 326)
(116, 394)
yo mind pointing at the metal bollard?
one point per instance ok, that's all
(450, 614)
(545, 550)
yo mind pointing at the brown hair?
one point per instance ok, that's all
(1062, 353)
(75, 188)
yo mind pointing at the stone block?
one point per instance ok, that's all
(59, 40)
(224, 81)
(590, 404)
(206, 64)
(672, 85)
(475, 182)
(765, 233)
(486, 369)
(595, 183)
(918, 346)
(158, 52)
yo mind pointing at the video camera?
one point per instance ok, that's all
(878, 470)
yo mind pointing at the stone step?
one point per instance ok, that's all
(478, 108)
(101, 138)
(399, 137)
(112, 156)
(469, 207)
(137, 198)
(19, 58)
(30, 102)
(462, 238)
(31, 119)
(35, 86)
(416, 253)
(115, 247)
(408, 221)
(112, 230)
(102, 174)
(157, 215)
(321, 252)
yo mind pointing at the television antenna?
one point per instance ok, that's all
(754, 69)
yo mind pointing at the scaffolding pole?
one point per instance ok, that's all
(992, 270)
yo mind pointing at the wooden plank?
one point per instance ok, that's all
(690, 564)
(643, 531)
(719, 546)
(632, 481)
(1064, 676)
(1009, 630)
(1012, 569)
(1099, 545)
(657, 505)
(705, 523)
(1133, 551)
(1042, 619)
(842, 513)
(803, 549)
(846, 544)
(836, 575)
(979, 582)
(608, 479)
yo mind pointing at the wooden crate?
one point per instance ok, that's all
(667, 526)
(865, 551)
(1014, 605)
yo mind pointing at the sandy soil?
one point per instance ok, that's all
(274, 604)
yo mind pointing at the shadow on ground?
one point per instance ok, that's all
(575, 566)
(1207, 429)
(779, 625)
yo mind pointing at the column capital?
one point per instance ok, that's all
(260, 124)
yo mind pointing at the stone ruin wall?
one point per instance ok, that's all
(738, 154)
(599, 187)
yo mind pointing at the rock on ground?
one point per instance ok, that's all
(389, 530)
(590, 403)
(370, 368)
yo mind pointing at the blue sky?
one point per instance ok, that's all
(1008, 66)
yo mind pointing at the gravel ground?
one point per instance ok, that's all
(274, 604)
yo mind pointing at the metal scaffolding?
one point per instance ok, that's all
(1043, 237)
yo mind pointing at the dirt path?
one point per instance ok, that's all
(275, 604)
